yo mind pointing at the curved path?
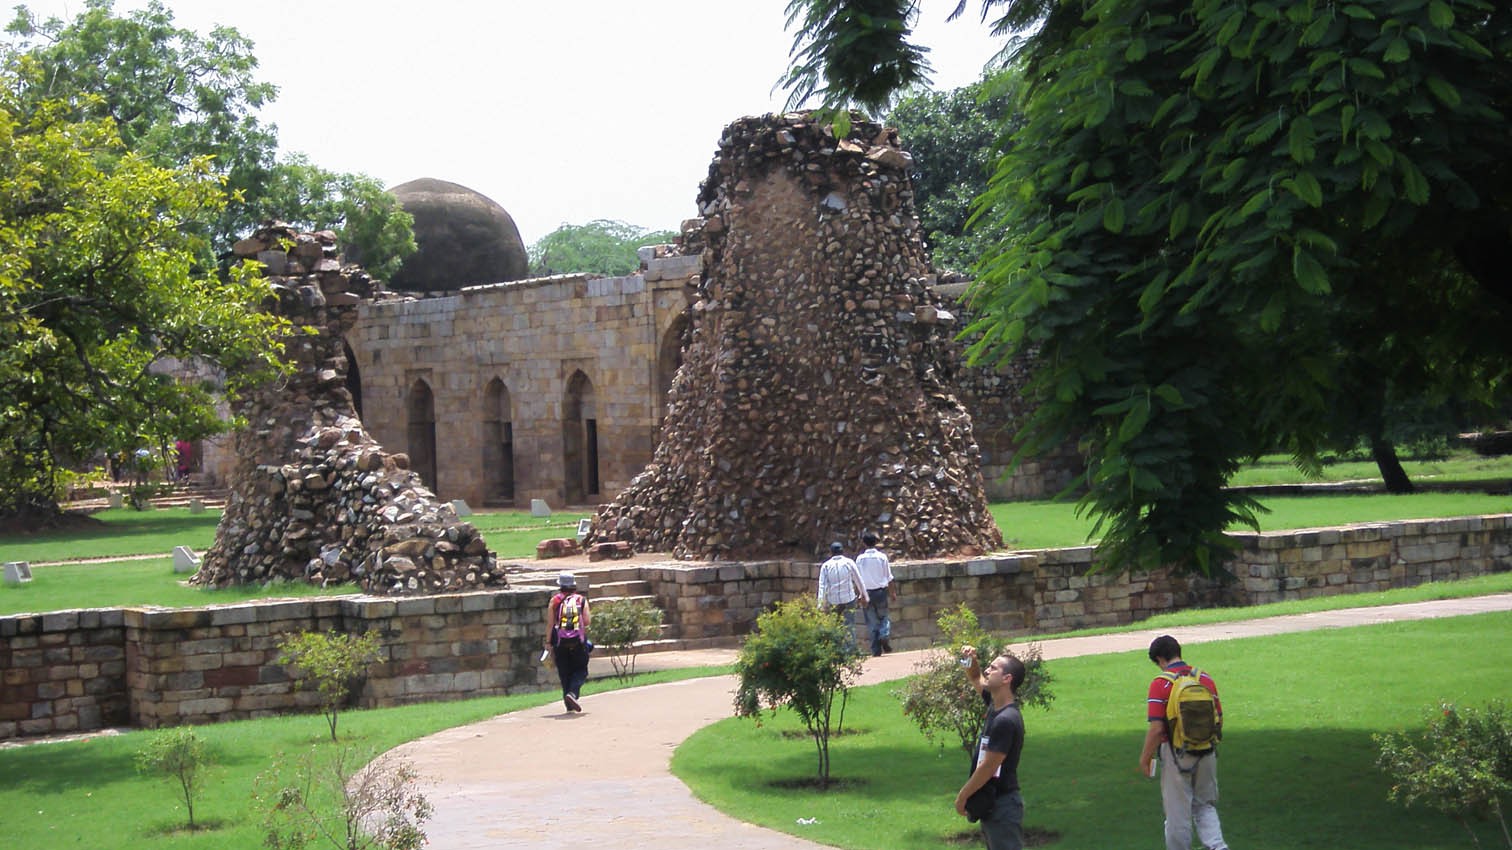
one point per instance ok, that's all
(541, 777)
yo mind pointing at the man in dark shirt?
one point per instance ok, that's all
(997, 755)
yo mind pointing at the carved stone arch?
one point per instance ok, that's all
(421, 405)
(580, 479)
(668, 360)
(498, 445)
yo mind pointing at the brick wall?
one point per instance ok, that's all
(80, 670)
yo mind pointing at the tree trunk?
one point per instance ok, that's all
(1392, 472)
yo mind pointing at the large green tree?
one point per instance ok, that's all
(176, 95)
(100, 288)
(603, 247)
(1216, 211)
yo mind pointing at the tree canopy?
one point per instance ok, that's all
(101, 288)
(1224, 220)
(602, 247)
(175, 95)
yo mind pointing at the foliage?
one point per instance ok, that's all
(850, 51)
(1460, 765)
(953, 137)
(619, 626)
(179, 756)
(327, 798)
(335, 662)
(601, 247)
(99, 292)
(1217, 214)
(939, 699)
(178, 96)
(799, 657)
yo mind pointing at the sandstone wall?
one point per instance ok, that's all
(80, 670)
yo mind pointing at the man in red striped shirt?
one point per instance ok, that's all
(1189, 780)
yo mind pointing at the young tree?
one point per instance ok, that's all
(619, 626)
(1203, 199)
(802, 658)
(334, 662)
(1461, 765)
(601, 247)
(943, 703)
(327, 797)
(177, 96)
(178, 756)
(100, 289)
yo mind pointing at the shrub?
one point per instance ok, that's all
(335, 662)
(1460, 765)
(799, 657)
(940, 700)
(618, 626)
(179, 756)
(326, 797)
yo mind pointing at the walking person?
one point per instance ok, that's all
(877, 578)
(1185, 724)
(999, 806)
(840, 588)
(567, 618)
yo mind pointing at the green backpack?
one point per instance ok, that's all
(1191, 713)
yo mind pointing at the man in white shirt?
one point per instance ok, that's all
(877, 578)
(840, 587)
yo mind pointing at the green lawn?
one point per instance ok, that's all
(1298, 760)
(1461, 466)
(87, 795)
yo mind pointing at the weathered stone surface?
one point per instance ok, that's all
(805, 410)
(313, 497)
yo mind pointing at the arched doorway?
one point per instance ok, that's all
(667, 363)
(422, 433)
(498, 445)
(353, 379)
(579, 441)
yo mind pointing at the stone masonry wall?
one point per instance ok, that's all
(80, 670)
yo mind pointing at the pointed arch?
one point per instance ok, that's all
(668, 360)
(579, 440)
(353, 378)
(422, 432)
(498, 445)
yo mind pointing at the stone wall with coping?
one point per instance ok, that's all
(80, 670)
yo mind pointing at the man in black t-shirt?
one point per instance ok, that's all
(997, 754)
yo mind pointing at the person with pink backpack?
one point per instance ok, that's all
(567, 617)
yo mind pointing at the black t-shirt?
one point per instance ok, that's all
(1002, 732)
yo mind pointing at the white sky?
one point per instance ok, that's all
(562, 112)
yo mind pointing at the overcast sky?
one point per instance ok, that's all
(562, 112)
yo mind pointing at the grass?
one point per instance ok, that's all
(87, 794)
(1298, 760)
(1461, 467)
(128, 583)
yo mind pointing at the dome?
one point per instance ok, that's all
(464, 238)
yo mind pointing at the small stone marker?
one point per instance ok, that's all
(115, 499)
(538, 508)
(460, 506)
(184, 560)
(17, 572)
(584, 525)
(196, 506)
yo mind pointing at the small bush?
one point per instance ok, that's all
(799, 657)
(618, 626)
(938, 698)
(178, 756)
(334, 662)
(1460, 765)
(326, 797)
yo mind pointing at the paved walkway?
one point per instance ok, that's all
(541, 777)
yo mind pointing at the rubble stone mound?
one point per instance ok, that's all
(813, 400)
(313, 497)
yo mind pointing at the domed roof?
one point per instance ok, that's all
(464, 238)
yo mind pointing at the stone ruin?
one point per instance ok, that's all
(314, 498)
(812, 403)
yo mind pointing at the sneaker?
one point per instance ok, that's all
(572, 702)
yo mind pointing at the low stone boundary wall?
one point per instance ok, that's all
(80, 670)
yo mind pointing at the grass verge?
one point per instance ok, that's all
(87, 794)
(1298, 761)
